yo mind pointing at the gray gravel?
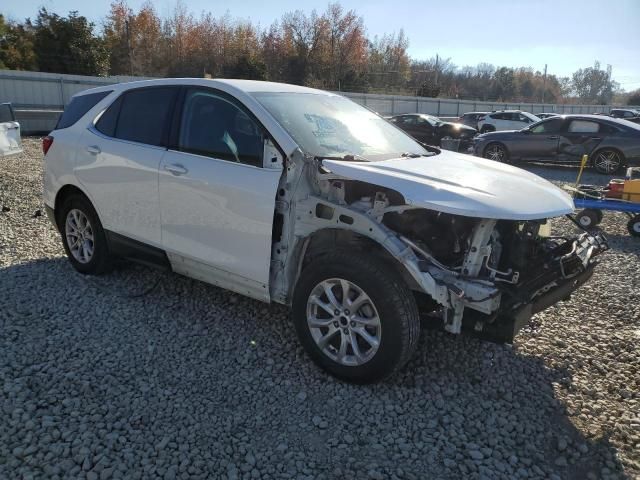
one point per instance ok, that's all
(190, 381)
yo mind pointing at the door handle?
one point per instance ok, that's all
(553, 137)
(176, 169)
(13, 127)
(595, 138)
(93, 149)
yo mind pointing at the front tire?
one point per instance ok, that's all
(607, 161)
(355, 316)
(496, 152)
(83, 237)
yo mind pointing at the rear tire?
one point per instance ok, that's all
(608, 161)
(83, 237)
(385, 325)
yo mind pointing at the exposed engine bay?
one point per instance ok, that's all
(484, 276)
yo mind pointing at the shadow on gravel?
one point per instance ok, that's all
(138, 364)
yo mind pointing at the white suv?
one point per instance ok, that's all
(506, 120)
(302, 197)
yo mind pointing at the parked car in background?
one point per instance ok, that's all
(431, 130)
(626, 114)
(506, 120)
(302, 197)
(10, 142)
(471, 119)
(610, 143)
(544, 115)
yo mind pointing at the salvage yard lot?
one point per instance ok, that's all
(144, 374)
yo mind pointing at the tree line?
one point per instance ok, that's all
(329, 50)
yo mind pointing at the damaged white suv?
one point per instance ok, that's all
(302, 197)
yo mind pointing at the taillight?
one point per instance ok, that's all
(46, 143)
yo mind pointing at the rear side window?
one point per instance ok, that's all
(6, 113)
(139, 115)
(583, 126)
(78, 107)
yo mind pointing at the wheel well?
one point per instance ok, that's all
(328, 240)
(64, 193)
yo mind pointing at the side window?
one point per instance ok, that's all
(408, 120)
(78, 107)
(214, 126)
(497, 116)
(548, 126)
(144, 113)
(583, 126)
(6, 113)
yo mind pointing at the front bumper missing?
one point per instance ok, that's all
(555, 282)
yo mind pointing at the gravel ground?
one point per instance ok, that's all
(140, 374)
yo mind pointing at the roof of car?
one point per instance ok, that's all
(246, 86)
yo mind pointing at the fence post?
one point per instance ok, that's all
(62, 92)
(393, 106)
(438, 114)
(417, 105)
(458, 109)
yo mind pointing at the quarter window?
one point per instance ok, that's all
(214, 126)
(78, 107)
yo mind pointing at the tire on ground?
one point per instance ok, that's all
(392, 298)
(100, 261)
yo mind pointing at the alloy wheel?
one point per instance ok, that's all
(79, 235)
(495, 152)
(607, 161)
(343, 322)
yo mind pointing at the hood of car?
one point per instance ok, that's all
(457, 127)
(462, 185)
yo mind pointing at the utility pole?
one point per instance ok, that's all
(437, 61)
(544, 83)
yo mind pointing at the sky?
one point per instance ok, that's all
(564, 34)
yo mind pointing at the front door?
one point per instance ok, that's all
(217, 200)
(541, 141)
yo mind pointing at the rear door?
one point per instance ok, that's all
(119, 157)
(217, 198)
(579, 137)
(10, 142)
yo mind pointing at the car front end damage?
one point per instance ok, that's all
(484, 276)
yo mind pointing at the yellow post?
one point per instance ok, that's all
(582, 164)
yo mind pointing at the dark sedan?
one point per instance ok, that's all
(610, 143)
(431, 130)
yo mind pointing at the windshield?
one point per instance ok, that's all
(334, 126)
